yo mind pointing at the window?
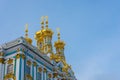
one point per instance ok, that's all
(45, 40)
(27, 69)
(9, 68)
(39, 76)
(40, 45)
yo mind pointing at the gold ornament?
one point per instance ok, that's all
(29, 62)
(1, 54)
(45, 70)
(1, 60)
(50, 75)
(17, 56)
(10, 61)
(23, 56)
(34, 63)
(28, 76)
(8, 76)
(40, 69)
(29, 40)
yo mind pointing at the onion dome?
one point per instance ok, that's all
(44, 37)
(59, 44)
(47, 31)
(29, 40)
(39, 34)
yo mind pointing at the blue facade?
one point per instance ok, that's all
(28, 63)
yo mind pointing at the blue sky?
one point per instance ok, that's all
(90, 28)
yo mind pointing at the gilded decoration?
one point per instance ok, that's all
(66, 66)
(55, 57)
(8, 76)
(10, 61)
(52, 60)
(40, 69)
(18, 49)
(17, 56)
(34, 63)
(28, 76)
(45, 70)
(50, 75)
(1, 60)
(29, 62)
(23, 56)
(29, 40)
(42, 35)
(1, 54)
(55, 75)
(20, 55)
(59, 43)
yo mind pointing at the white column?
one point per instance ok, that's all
(22, 66)
(45, 75)
(35, 73)
(35, 64)
(17, 66)
(42, 75)
(1, 71)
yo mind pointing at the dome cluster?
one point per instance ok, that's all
(43, 38)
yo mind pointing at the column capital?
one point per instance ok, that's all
(34, 63)
(2, 60)
(40, 69)
(55, 75)
(29, 62)
(23, 56)
(10, 61)
(1, 54)
(44, 69)
(50, 75)
(17, 56)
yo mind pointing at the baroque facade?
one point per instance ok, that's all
(20, 60)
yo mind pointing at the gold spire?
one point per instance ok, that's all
(46, 21)
(26, 30)
(47, 31)
(44, 34)
(29, 40)
(58, 33)
(59, 43)
(42, 22)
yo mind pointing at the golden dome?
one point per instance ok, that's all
(38, 35)
(47, 32)
(29, 40)
(59, 43)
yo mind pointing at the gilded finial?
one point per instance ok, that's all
(26, 35)
(58, 33)
(26, 30)
(42, 22)
(46, 21)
